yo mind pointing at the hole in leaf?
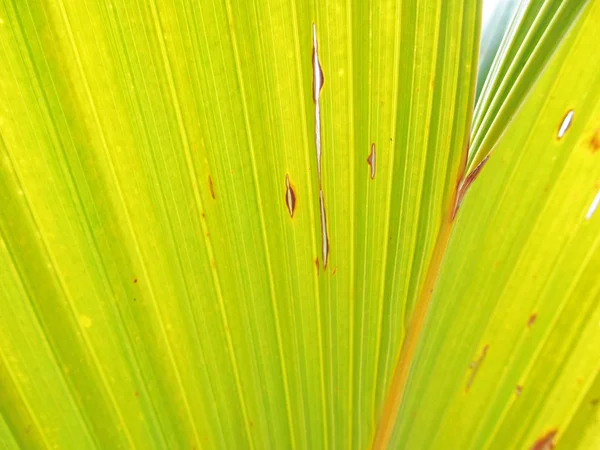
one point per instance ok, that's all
(290, 196)
(566, 123)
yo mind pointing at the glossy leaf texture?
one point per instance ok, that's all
(162, 267)
(509, 355)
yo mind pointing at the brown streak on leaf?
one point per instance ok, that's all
(211, 187)
(595, 141)
(317, 265)
(396, 389)
(546, 442)
(466, 184)
(475, 365)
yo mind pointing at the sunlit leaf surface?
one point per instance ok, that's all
(510, 352)
(199, 248)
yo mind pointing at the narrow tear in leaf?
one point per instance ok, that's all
(211, 187)
(372, 160)
(318, 80)
(465, 185)
(324, 237)
(593, 206)
(290, 196)
(475, 365)
(531, 320)
(566, 123)
(546, 442)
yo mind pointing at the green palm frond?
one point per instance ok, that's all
(193, 255)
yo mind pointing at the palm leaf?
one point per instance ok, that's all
(180, 269)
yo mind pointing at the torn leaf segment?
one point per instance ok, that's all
(324, 237)
(318, 80)
(372, 161)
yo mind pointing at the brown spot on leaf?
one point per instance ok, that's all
(518, 390)
(475, 365)
(290, 196)
(594, 401)
(334, 271)
(595, 141)
(317, 265)
(135, 280)
(546, 442)
(211, 187)
(531, 320)
(137, 394)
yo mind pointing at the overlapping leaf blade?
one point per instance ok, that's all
(509, 354)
